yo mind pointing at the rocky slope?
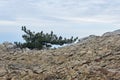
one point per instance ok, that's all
(93, 58)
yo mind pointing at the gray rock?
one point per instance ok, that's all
(3, 71)
(116, 32)
(37, 70)
(9, 46)
(16, 66)
(86, 39)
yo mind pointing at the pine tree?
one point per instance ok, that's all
(40, 40)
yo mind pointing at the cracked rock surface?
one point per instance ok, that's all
(94, 58)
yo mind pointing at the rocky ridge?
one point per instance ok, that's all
(93, 58)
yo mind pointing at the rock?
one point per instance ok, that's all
(37, 70)
(3, 71)
(93, 58)
(9, 45)
(86, 39)
(116, 32)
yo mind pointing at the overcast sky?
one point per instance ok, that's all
(65, 17)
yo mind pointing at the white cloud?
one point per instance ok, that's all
(5, 22)
(59, 15)
(88, 19)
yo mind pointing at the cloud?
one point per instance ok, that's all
(5, 22)
(88, 19)
(70, 17)
(47, 9)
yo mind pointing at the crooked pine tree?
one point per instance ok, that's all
(40, 40)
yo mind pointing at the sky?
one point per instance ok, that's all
(64, 17)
